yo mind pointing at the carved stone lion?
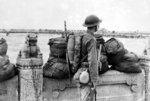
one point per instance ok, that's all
(30, 48)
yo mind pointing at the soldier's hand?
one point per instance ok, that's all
(95, 83)
(103, 58)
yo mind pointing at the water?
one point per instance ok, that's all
(16, 42)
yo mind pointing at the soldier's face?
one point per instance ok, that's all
(97, 27)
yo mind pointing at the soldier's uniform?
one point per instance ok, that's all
(89, 49)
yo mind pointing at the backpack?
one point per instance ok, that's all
(74, 50)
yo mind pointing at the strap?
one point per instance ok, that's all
(83, 59)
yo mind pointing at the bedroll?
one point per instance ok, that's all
(74, 50)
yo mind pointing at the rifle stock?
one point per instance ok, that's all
(65, 30)
(99, 55)
(67, 56)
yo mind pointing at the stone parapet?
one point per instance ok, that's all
(30, 79)
(131, 79)
(31, 85)
(9, 89)
(113, 86)
(28, 63)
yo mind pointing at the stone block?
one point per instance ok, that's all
(113, 86)
(9, 90)
(60, 90)
(117, 86)
(30, 62)
(31, 84)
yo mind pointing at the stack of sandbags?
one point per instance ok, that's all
(7, 69)
(120, 58)
(56, 66)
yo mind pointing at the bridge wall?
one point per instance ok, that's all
(113, 86)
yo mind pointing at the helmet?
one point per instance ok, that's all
(92, 20)
(84, 77)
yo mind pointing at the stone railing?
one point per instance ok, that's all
(30, 79)
(31, 86)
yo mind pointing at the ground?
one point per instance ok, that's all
(16, 41)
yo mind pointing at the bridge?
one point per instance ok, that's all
(58, 31)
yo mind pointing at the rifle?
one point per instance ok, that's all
(67, 56)
(99, 64)
(99, 55)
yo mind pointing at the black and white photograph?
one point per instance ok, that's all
(74, 50)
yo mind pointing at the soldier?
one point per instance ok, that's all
(88, 78)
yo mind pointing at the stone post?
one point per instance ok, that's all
(30, 79)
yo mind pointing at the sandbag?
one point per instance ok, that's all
(3, 47)
(58, 47)
(105, 65)
(120, 58)
(130, 56)
(56, 68)
(8, 71)
(129, 63)
(128, 67)
(3, 60)
(114, 51)
(104, 68)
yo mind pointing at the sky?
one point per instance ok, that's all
(118, 15)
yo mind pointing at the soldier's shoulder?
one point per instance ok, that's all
(88, 37)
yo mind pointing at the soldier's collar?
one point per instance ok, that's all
(90, 32)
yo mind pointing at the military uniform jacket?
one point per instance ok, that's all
(89, 48)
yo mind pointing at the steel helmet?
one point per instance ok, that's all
(84, 77)
(91, 20)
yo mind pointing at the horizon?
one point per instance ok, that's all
(36, 30)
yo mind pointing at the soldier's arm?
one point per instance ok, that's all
(92, 59)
